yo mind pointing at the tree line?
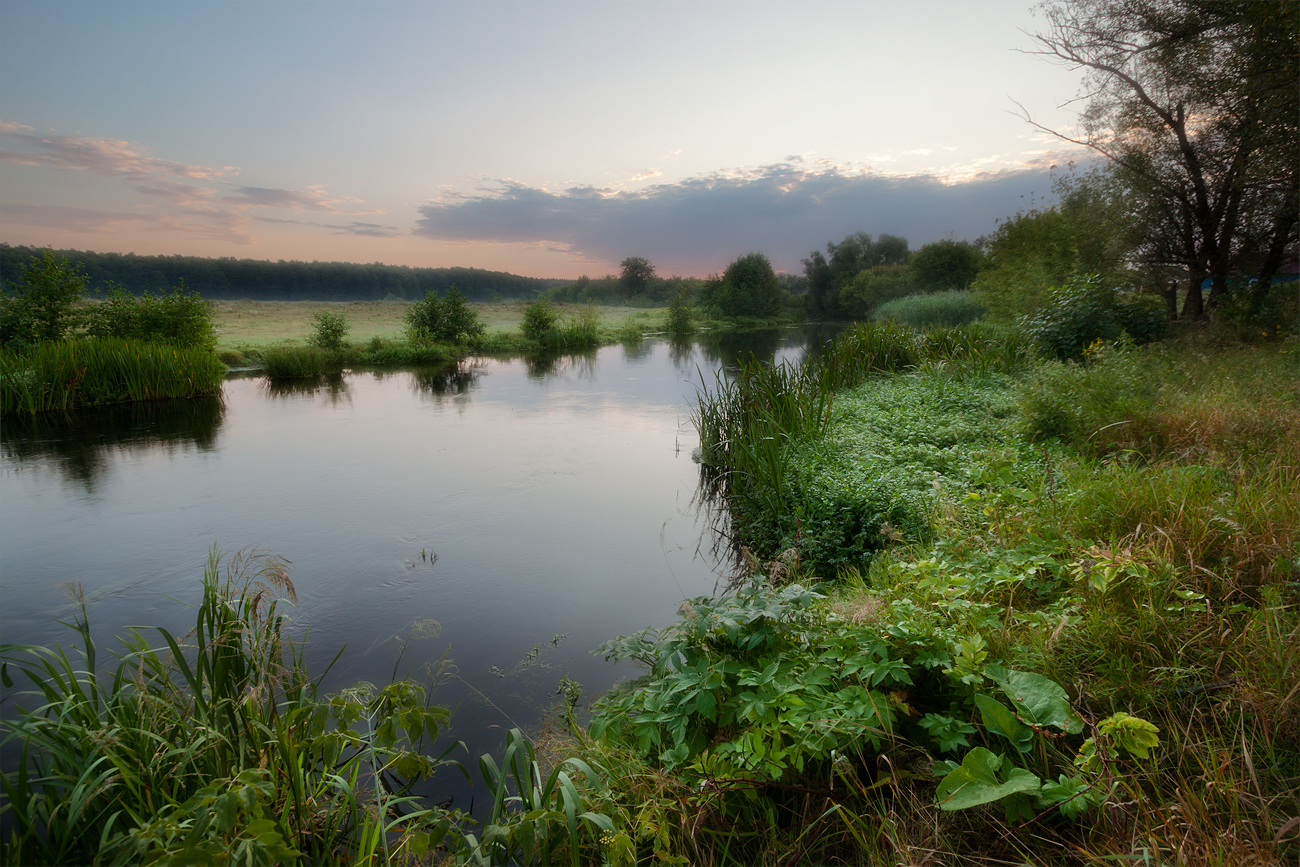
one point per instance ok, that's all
(263, 280)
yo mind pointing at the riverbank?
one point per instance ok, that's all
(1078, 645)
(1004, 610)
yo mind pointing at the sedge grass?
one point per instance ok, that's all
(69, 374)
(212, 747)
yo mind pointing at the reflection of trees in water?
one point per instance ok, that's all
(547, 365)
(80, 443)
(637, 350)
(731, 349)
(332, 386)
(455, 379)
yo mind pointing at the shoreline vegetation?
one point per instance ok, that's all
(990, 606)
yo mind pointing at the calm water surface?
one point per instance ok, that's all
(557, 496)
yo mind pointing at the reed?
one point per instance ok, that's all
(68, 374)
(923, 311)
(293, 362)
(213, 747)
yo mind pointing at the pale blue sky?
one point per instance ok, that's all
(544, 138)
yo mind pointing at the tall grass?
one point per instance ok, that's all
(67, 374)
(924, 311)
(294, 362)
(211, 748)
(751, 421)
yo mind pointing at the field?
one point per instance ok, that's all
(252, 324)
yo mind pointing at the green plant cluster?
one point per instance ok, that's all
(749, 287)
(444, 320)
(542, 327)
(41, 306)
(1084, 312)
(924, 311)
(1117, 539)
(331, 329)
(770, 688)
(213, 748)
(178, 317)
(69, 374)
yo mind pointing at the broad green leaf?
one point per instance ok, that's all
(1037, 700)
(977, 781)
(999, 719)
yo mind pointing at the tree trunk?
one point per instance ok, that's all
(1194, 305)
(1171, 300)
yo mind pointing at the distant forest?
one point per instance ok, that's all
(261, 280)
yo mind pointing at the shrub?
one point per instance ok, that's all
(945, 265)
(749, 287)
(179, 317)
(875, 286)
(681, 315)
(331, 328)
(923, 311)
(446, 319)
(1084, 311)
(539, 320)
(41, 307)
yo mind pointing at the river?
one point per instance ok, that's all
(533, 509)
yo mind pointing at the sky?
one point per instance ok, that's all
(544, 138)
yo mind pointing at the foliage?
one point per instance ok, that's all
(233, 279)
(296, 362)
(68, 374)
(766, 690)
(681, 315)
(923, 311)
(1026, 255)
(546, 820)
(213, 751)
(942, 266)
(874, 286)
(331, 329)
(1195, 103)
(444, 320)
(635, 274)
(829, 273)
(747, 288)
(1084, 312)
(41, 306)
(539, 320)
(178, 317)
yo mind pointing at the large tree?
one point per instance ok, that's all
(1196, 104)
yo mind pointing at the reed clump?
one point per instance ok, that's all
(67, 374)
(213, 747)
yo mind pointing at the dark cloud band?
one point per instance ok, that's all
(700, 224)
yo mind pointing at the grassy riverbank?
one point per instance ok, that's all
(989, 609)
(1065, 625)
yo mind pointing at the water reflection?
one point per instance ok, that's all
(549, 365)
(455, 380)
(80, 444)
(332, 386)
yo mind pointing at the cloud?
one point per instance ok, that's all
(180, 197)
(700, 224)
(315, 198)
(231, 228)
(103, 156)
(369, 230)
